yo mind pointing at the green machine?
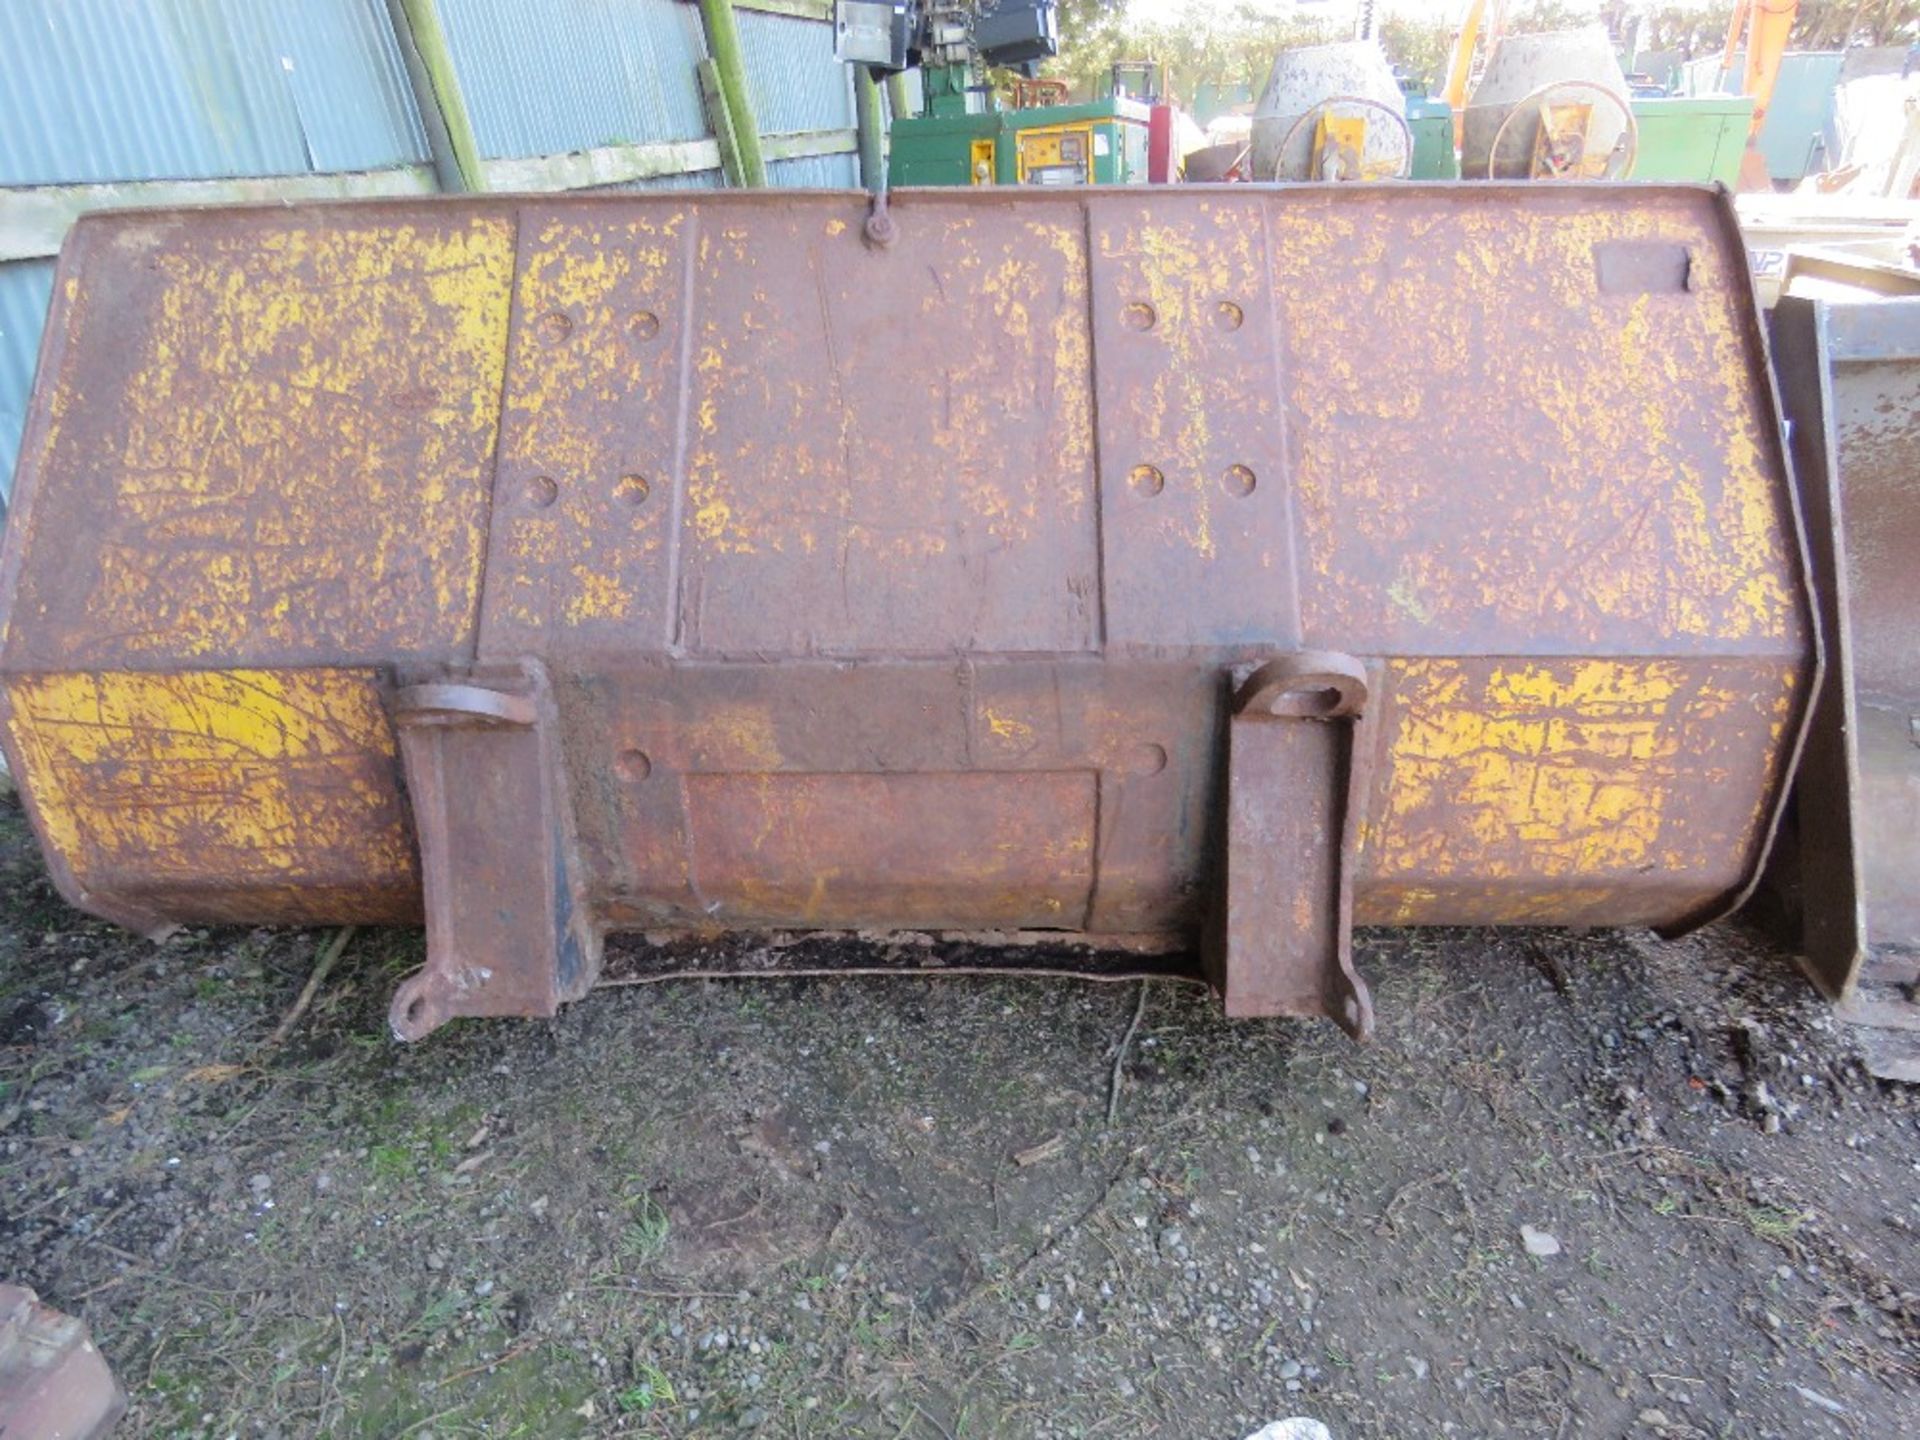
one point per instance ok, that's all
(1696, 138)
(1691, 138)
(1100, 142)
(961, 135)
(1430, 123)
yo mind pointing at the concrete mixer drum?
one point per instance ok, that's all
(1331, 112)
(1550, 106)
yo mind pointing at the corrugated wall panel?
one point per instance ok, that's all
(564, 75)
(816, 172)
(104, 90)
(795, 82)
(122, 90)
(695, 180)
(25, 288)
(343, 67)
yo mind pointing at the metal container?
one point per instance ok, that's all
(1518, 70)
(1692, 138)
(1850, 380)
(53, 1382)
(1430, 120)
(1309, 78)
(1089, 561)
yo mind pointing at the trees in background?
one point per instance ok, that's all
(1237, 47)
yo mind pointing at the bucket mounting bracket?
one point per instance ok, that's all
(1296, 769)
(508, 928)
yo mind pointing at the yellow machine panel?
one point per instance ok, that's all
(1560, 146)
(1339, 145)
(1058, 155)
(982, 166)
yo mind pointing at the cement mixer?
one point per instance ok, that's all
(1550, 106)
(1332, 112)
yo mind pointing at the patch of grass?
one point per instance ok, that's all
(868, 1329)
(439, 1317)
(646, 1233)
(1774, 1225)
(652, 1387)
(390, 1113)
(390, 1162)
(1466, 1285)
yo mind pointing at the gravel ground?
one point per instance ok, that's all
(1596, 1185)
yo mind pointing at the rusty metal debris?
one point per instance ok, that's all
(53, 1384)
(1850, 381)
(547, 567)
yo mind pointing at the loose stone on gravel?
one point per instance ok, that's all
(1540, 1243)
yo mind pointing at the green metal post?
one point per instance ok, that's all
(723, 43)
(429, 41)
(871, 126)
(722, 121)
(446, 165)
(897, 96)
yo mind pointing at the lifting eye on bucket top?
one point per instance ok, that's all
(1314, 685)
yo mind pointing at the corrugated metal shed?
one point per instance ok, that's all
(564, 75)
(104, 90)
(25, 288)
(695, 180)
(816, 172)
(795, 82)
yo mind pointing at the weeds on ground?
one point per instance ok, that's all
(651, 1388)
(646, 1233)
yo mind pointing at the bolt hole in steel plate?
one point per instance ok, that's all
(413, 1013)
(632, 765)
(1229, 316)
(554, 327)
(1238, 481)
(643, 324)
(1324, 700)
(1138, 316)
(542, 491)
(632, 490)
(1146, 759)
(1146, 480)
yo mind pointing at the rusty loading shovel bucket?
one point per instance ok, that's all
(1235, 565)
(1850, 381)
